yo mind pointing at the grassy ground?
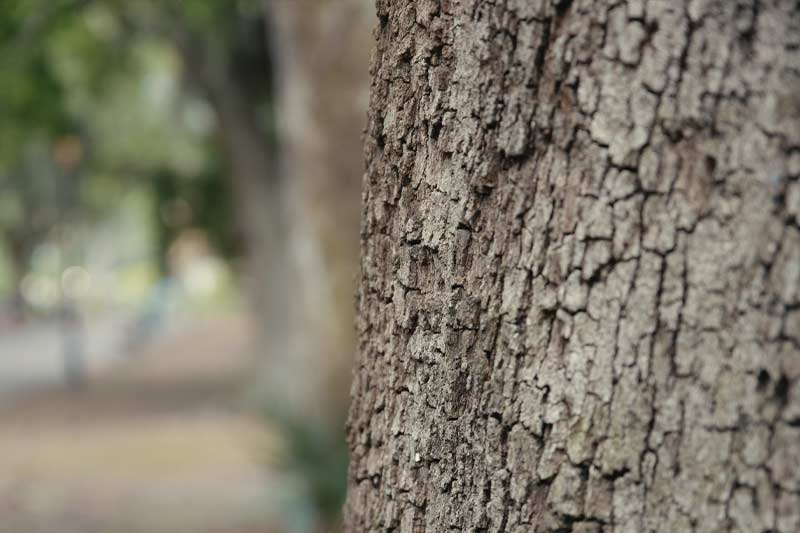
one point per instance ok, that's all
(156, 445)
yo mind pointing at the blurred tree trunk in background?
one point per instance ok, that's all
(259, 195)
(237, 76)
(322, 84)
(296, 188)
(580, 286)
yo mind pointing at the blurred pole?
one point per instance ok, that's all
(72, 334)
(20, 255)
(67, 155)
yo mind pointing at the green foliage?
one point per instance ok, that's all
(316, 460)
(94, 102)
(199, 202)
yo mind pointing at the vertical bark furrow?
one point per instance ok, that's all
(579, 303)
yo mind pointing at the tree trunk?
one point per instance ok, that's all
(322, 79)
(258, 192)
(235, 80)
(579, 303)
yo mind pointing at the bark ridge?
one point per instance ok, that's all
(579, 299)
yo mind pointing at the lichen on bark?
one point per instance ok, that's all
(579, 299)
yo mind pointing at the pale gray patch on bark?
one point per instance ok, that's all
(579, 302)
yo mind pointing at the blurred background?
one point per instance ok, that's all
(179, 201)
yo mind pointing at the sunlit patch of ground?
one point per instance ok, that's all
(157, 445)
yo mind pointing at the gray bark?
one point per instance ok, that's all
(579, 302)
(323, 81)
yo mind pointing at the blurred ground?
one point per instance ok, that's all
(156, 443)
(31, 355)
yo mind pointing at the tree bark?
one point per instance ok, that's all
(579, 302)
(322, 81)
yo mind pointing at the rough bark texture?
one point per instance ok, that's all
(580, 291)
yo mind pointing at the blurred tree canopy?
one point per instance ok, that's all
(99, 97)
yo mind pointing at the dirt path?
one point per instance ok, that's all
(157, 445)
